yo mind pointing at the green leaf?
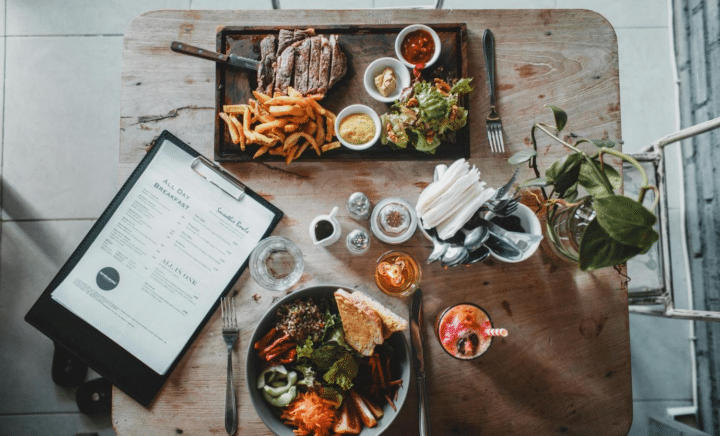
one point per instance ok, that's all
(599, 250)
(342, 372)
(613, 176)
(563, 174)
(538, 181)
(522, 156)
(462, 86)
(571, 195)
(560, 117)
(600, 143)
(593, 180)
(626, 221)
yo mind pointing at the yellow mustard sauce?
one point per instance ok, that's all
(357, 128)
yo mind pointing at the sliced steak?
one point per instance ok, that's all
(266, 69)
(324, 69)
(299, 35)
(338, 67)
(314, 68)
(285, 70)
(302, 65)
(285, 40)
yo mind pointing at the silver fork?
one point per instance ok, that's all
(230, 334)
(493, 123)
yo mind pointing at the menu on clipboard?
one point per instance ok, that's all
(151, 271)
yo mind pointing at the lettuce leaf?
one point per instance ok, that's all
(342, 371)
(424, 123)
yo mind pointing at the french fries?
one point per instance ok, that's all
(281, 125)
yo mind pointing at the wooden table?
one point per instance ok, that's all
(565, 366)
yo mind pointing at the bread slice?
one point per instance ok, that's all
(391, 322)
(362, 325)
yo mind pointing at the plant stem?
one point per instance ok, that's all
(555, 137)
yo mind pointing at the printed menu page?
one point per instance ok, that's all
(163, 259)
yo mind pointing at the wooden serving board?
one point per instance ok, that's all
(362, 44)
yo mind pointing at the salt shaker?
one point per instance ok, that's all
(358, 206)
(358, 241)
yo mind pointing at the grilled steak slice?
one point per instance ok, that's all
(324, 69)
(285, 40)
(266, 69)
(302, 65)
(314, 68)
(338, 67)
(299, 35)
(285, 69)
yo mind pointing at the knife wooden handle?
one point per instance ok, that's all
(183, 48)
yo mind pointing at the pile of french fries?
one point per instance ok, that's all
(284, 125)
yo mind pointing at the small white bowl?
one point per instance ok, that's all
(402, 75)
(414, 27)
(357, 109)
(530, 222)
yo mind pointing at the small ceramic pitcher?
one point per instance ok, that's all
(325, 229)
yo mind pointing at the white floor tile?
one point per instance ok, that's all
(65, 424)
(623, 13)
(2, 105)
(2, 17)
(79, 17)
(61, 126)
(230, 4)
(661, 363)
(647, 93)
(31, 254)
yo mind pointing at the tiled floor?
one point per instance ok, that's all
(60, 66)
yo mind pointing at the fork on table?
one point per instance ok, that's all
(230, 334)
(493, 123)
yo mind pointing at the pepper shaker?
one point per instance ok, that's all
(358, 241)
(358, 206)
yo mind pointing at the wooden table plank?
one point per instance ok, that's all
(564, 368)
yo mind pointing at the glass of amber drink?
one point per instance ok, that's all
(465, 331)
(397, 273)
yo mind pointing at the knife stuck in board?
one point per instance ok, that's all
(234, 60)
(417, 351)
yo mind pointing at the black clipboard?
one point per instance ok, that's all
(101, 353)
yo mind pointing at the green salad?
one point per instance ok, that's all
(423, 115)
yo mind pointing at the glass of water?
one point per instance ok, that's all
(276, 263)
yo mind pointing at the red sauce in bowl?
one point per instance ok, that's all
(418, 47)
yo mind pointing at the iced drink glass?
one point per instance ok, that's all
(465, 331)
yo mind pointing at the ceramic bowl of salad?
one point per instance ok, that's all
(301, 374)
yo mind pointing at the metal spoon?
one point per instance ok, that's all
(439, 247)
(478, 255)
(475, 238)
(455, 255)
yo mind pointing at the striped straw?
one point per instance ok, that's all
(496, 332)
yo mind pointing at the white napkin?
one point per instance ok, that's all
(450, 201)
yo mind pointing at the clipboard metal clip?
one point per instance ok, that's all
(218, 177)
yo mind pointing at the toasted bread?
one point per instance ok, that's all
(362, 325)
(391, 322)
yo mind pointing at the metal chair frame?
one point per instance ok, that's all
(647, 302)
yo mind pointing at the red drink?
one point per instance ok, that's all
(465, 331)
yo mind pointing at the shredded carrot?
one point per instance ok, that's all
(310, 414)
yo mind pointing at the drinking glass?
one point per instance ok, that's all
(276, 263)
(465, 331)
(397, 273)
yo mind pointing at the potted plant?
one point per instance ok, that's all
(599, 229)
